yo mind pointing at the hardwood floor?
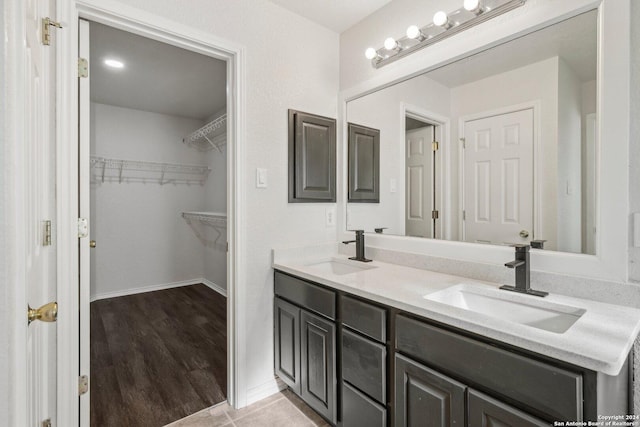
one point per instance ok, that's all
(157, 357)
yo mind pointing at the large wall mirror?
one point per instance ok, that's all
(497, 148)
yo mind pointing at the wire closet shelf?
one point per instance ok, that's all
(211, 218)
(210, 136)
(121, 170)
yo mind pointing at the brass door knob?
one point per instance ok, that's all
(46, 313)
(524, 234)
(92, 244)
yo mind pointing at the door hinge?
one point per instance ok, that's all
(83, 68)
(47, 23)
(227, 246)
(83, 384)
(464, 142)
(46, 235)
(435, 145)
(464, 215)
(47, 423)
(434, 214)
(83, 227)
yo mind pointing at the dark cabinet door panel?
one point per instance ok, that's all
(287, 345)
(359, 410)
(426, 398)
(364, 364)
(305, 294)
(364, 164)
(312, 158)
(485, 411)
(555, 392)
(318, 385)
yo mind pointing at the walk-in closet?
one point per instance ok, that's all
(158, 226)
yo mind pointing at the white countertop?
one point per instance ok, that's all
(600, 340)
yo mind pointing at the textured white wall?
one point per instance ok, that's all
(4, 229)
(290, 63)
(142, 240)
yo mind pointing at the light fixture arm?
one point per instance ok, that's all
(466, 17)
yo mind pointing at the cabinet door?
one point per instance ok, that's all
(318, 383)
(287, 343)
(312, 158)
(426, 398)
(486, 411)
(364, 164)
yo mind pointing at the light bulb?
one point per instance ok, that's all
(370, 53)
(472, 5)
(440, 19)
(113, 63)
(413, 32)
(390, 43)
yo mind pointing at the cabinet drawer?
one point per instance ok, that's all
(553, 391)
(305, 294)
(360, 411)
(365, 318)
(364, 364)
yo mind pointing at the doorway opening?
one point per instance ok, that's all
(422, 138)
(158, 213)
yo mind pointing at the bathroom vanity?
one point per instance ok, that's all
(379, 344)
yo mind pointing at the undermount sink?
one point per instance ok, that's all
(521, 309)
(340, 267)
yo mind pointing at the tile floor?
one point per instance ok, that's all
(283, 409)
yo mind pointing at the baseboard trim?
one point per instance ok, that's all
(219, 289)
(160, 287)
(265, 390)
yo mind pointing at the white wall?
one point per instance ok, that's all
(142, 240)
(215, 199)
(569, 160)
(290, 63)
(383, 110)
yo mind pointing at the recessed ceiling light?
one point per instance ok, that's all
(113, 63)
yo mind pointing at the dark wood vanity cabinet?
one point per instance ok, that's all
(305, 342)
(362, 364)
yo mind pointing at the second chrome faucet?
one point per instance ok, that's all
(359, 241)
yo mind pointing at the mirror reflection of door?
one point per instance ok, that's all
(420, 174)
(498, 179)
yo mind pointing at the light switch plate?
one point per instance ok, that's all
(261, 178)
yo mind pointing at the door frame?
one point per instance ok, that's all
(537, 208)
(443, 182)
(124, 17)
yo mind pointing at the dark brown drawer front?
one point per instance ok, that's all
(305, 294)
(364, 364)
(485, 411)
(360, 411)
(365, 318)
(554, 391)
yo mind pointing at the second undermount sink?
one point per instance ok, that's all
(340, 267)
(521, 309)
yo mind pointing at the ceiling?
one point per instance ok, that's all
(574, 40)
(157, 77)
(336, 15)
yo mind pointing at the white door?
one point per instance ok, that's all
(84, 105)
(39, 178)
(498, 179)
(419, 184)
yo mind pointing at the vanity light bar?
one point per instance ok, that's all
(443, 26)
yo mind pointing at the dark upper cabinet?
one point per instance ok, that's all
(364, 164)
(312, 158)
(287, 344)
(427, 398)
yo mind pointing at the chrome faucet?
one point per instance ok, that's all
(359, 241)
(521, 265)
